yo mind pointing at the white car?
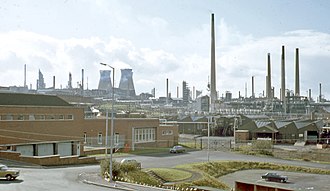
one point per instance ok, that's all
(131, 161)
(177, 149)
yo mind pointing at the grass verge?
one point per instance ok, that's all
(171, 175)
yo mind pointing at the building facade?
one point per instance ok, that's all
(39, 125)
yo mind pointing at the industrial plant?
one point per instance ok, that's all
(265, 113)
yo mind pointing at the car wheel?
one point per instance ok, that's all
(8, 177)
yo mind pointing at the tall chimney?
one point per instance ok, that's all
(54, 82)
(177, 91)
(213, 77)
(310, 95)
(82, 79)
(320, 96)
(297, 84)
(269, 78)
(252, 86)
(283, 80)
(193, 93)
(25, 75)
(166, 90)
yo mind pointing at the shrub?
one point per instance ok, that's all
(127, 167)
(105, 167)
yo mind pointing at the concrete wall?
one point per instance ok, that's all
(48, 160)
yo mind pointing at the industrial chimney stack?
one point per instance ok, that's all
(253, 96)
(297, 84)
(213, 95)
(283, 80)
(82, 79)
(268, 79)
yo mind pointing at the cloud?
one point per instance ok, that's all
(178, 58)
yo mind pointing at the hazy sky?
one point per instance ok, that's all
(162, 39)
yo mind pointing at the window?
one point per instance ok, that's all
(99, 139)
(167, 132)
(70, 117)
(20, 117)
(10, 117)
(31, 117)
(144, 135)
(85, 137)
(61, 117)
(116, 137)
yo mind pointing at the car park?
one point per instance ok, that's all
(273, 176)
(177, 149)
(9, 174)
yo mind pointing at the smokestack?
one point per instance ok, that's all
(213, 77)
(193, 93)
(70, 81)
(320, 96)
(252, 86)
(54, 82)
(297, 84)
(166, 90)
(177, 91)
(283, 80)
(82, 79)
(269, 78)
(310, 95)
(245, 90)
(25, 75)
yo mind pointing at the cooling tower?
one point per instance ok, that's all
(126, 82)
(105, 80)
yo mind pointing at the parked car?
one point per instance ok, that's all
(273, 176)
(9, 174)
(177, 149)
(131, 161)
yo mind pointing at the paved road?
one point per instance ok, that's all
(58, 179)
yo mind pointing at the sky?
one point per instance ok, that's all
(166, 39)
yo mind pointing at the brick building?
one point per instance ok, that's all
(41, 125)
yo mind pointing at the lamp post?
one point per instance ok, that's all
(208, 137)
(112, 120)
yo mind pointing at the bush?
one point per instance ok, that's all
(105, 167)
(262, 144)
(127, 167)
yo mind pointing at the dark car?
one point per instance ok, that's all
(273, 176)
(177, 149)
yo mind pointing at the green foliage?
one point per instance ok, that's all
(171, 175)
(262, 144)
(138, 176)
(261, 147)
(218, 169)
(127, 167)
(210, 181)
(105, 167)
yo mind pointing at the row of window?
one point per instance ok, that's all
(144, 135)
(32, 117)
(141, 135)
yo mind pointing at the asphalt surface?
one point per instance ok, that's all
(72, 177)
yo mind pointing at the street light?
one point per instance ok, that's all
(112, 120)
